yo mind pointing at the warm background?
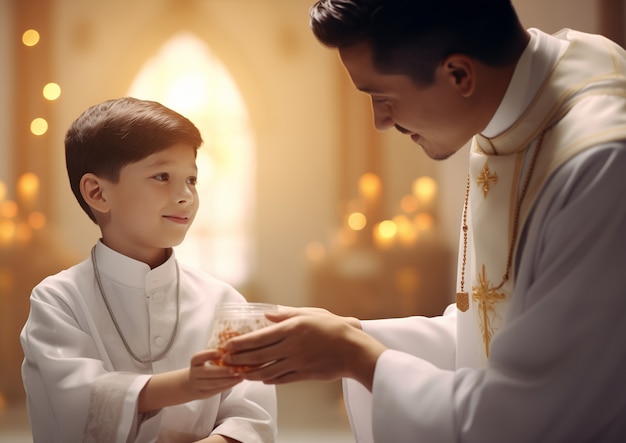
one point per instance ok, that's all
(294, 156)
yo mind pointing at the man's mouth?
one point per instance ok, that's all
(402, 130)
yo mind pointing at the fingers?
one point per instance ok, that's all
(286, 312)
(201, 357)
(210, 371)
(208, 379)
(215, 385)
(272, 373)
(289, 321)
(252, 340)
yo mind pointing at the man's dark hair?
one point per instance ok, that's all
(412, 37)
(114, 133)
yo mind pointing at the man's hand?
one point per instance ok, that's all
(305, 344)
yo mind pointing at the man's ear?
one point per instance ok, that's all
(92, 189)
(461, 73)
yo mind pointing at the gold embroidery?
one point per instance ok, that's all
(487, 296)
(485, 179)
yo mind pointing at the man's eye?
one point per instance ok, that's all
(162, 177)
(192, 180)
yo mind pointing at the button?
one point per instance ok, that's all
(159, 342)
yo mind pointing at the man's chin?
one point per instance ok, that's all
(434, 154)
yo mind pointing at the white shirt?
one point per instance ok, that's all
(83, 385)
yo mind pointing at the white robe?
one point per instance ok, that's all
(82, 384)
(555, 368)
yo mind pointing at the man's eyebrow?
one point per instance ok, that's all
(369, 90)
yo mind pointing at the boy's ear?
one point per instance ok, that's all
(92, 190)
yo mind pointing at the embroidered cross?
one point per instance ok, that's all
(487, 297)
(485, 179)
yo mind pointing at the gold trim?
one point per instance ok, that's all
(486, 179)
(487, 297)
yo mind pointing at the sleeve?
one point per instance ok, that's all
(248, 413)
(432, 339)
(63, 373)
(556, 368)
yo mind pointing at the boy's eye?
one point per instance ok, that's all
(162, 177)
(192, 180)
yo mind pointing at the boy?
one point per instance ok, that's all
(113, 345)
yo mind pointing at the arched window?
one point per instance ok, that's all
(187, 77)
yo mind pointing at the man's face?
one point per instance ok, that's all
(436, 117)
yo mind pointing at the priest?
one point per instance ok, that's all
(532, 350)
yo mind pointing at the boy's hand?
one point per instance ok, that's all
(200, 380)
(207, 379)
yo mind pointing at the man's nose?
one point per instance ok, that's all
(382, 118)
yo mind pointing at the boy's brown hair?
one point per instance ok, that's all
(114, 133)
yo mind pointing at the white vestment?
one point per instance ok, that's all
(83, 385)
(556, 356)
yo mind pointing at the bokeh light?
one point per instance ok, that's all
(36, 220)
(8, 209)
(357, 221)
(370, 185)
(39, 126)
(28, 185)
(387, 229)
(425, 188)
(30, 37)
(51, 91)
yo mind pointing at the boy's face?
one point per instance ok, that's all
(153, 204)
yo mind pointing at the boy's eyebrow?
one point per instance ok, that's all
(161, 162)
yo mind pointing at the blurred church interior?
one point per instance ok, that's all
(302, 202)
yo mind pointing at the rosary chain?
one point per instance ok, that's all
(518, 206)
(117, 326)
